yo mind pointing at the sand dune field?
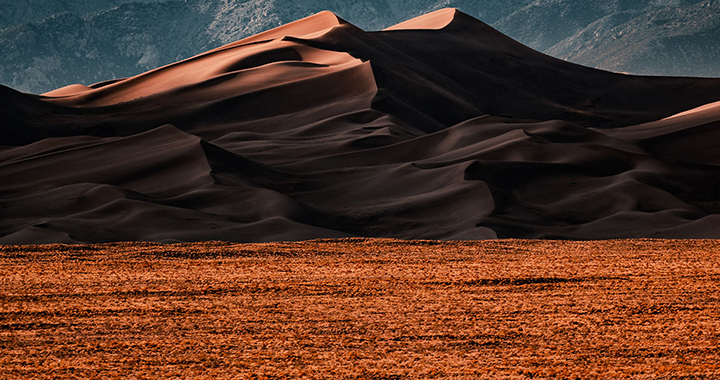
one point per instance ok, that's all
(437, 128)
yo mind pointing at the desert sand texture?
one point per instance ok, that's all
(363, 309)
(437, 128)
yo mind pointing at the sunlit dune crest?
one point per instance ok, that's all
(72, 89)
(438, 128)
(433, 21)
(308, 26)
(711, 110)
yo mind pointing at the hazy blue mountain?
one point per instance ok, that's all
(678, 40)
(47, 44)
(659, 37)
(17, 12)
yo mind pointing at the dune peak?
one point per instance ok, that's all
(69, 90)
(311, 25)
(710, 109)
(432, 21)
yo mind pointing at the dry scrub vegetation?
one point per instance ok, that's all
(362, 308)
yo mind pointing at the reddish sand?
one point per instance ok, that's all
(431, 21)
(363, 309)
(440, 128)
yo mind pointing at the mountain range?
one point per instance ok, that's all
(46, 44)
(439, 127)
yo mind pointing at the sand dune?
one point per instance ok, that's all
(439, 128)
(431, 21)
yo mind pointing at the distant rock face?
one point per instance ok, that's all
(18, 12)
(660, 37)
(680, 39)
(49, 44)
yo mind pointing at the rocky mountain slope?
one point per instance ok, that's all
(32, 11)
(672, 37)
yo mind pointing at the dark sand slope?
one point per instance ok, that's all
(437, 128)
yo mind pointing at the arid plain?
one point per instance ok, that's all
(363, 308)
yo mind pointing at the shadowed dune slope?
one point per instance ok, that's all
(437, 128)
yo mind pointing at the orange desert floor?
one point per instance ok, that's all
(363, 308)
